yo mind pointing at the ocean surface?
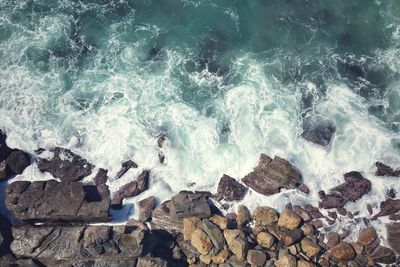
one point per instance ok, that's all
(223, 80)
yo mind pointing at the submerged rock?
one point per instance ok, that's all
(271, 175)
(55, 201)
(318, 131)
(230, 189)
(63, 164)
(385, 170)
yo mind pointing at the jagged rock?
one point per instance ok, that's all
(367, 236)
(309, 248)
(215, 234)
(303, 263)
(318, 130)
(221, 257)
(101, 177)
(313, 211)
(146, 207)
(354, 187)
(393, 236)
(4, 149)
(343, 251)
(40, 201)
(190, 224)
(385, 170)
(125, 167)
(305, 216)
(63, 164)
(383, 255)
(289, 219)
(17, 161)
(308, 229)
(272, 175)
(388, 207)
(256, 257)
(237, 243)
(221, 221)
(202, 242)
(189, 204)
(161, 218)
(265, 239)
(265, 215)
(230, 189)
(286, 260)
(69, 243)
(151, 262)
(131, 189)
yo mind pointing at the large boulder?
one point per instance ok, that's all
(271, 175)
(162, 218)
(354, 187)
(229, 189)
(318, 130)
(388, 207)
(190, 204)
(63, 164)
(56, 201)
(57, 245)
(385, 170)
(131, 189)
(393, 236)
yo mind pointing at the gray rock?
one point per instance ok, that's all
(146, 207)
(189, 204)
(151, 262)
(215, 234)
(272, 175)
(63, 164)
(17, 161)
(40, 201)
(161, 218)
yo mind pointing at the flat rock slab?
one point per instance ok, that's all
(190, 204)
(42, 201)
(63, 164)
(271, 175)
(56, 246)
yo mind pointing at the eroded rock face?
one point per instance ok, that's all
(271, 175)
(74, 244)
(230, 189)
(55, 201)
(63, 164)
(354, 187)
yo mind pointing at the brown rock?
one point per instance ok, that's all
(304, 188)
(308, 230)
(333, 239)
(309, 248)
(161, 218)
(383, 255)
(146, 207)
(256, 257)
(389, 206)
(343, 251)
(205, 259)
(367, 236)
(303, 263)
(385, 170)
(286, 260)
(230, 189)
(289, 219)
(302, 213)
(201, 242)
(265, 215)
(237, 243)
(265, 239)
(393, 236)
(221, 257)
(191, 224)
(221, 221)
(358, 248)
(243, 216)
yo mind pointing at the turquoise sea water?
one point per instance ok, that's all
(223, 80)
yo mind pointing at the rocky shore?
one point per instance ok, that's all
(67, 222)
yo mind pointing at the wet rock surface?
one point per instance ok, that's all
(229, 189)
(41, 201)
(271, 175)
(318, 131)
(63, 164)
(385, 170)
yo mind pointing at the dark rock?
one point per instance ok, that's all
(230, 189)
(104, 191)
(151, 262)
(109, 262)
(383, 255)
(393, 236)
(391, 193)
(272, 175)
(101, 177)
(215, 234)
(76, 243)
(388, 207)
(146, 207)
(385, 170)
(161, 218)
(318, 130)
(63, 164)
(3, 172)
(40, 201)
(17, 161)
(5, 151)
(313, 211)
(125, 167)
(131, 189)
(5, 236)
(304, 188)
(189, 204)
(354, 187)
